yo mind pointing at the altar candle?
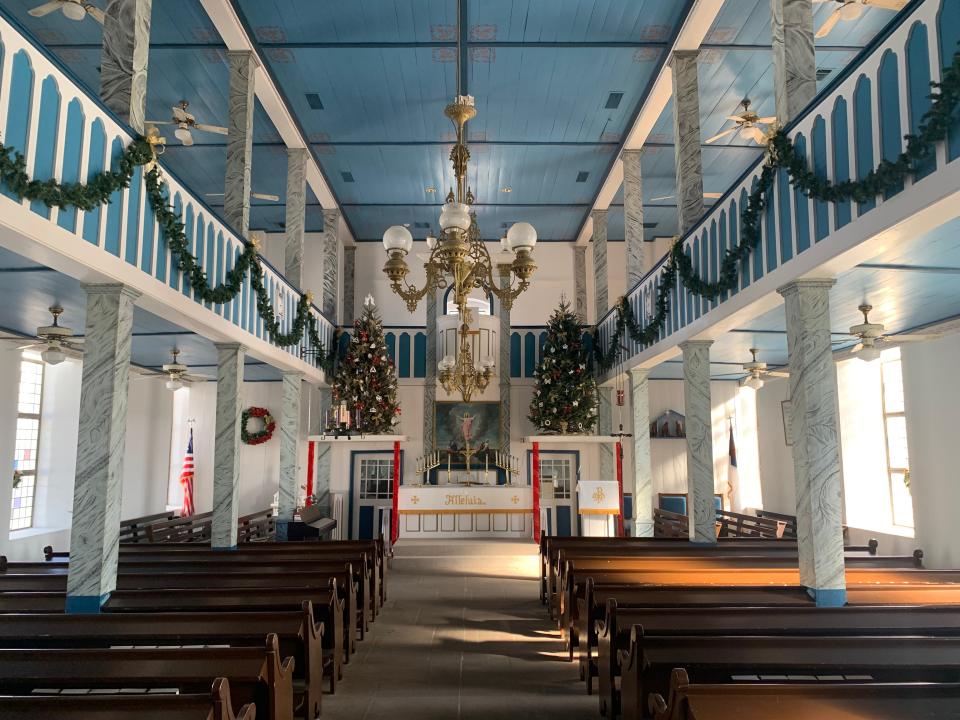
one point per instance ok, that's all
(486, 463)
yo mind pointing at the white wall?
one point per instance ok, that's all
(776, 459)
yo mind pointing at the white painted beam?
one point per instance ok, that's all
(695, 28)
(227, 22)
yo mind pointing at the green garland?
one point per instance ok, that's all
(782, 154)
(97, 191)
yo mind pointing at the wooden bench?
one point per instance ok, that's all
(613, 632)
(801, 701)
(299, 636)
(215, 705)
(255, 676)
(650, 660)
(134, 529)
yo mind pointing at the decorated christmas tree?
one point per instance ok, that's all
(365, 379)
(565, 397)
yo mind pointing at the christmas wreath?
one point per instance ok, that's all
(261, 436)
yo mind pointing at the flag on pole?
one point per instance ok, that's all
(732, 476)
(186, 479)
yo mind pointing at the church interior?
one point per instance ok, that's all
(479, 359)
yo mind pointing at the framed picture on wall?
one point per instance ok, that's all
(785, 409)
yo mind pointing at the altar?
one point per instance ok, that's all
(465, 511)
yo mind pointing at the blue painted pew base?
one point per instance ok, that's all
(86, 604)
(828, 598)
(282, 533)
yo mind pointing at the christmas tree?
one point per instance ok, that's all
(365, 378)
(565, 397)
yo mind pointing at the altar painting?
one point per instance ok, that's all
(474, 425)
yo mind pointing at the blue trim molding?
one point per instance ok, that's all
(828, 598)
(86, 604)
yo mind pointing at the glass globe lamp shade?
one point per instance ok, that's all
(174, 384)
(53, 355)
(397, 238)
(521, 236)
(488, 362)
(455, 216)
(431, 241)
(74, 11)
(182, 133)
(869, 353)
(754, 383)
(504, 244)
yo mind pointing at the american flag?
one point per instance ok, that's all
(186, 479)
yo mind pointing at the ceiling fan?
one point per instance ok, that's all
(185, 123)
(758, 371)
(178, 374)
(706, 196)
(72, 9)
(853, 9)
(258, 196)
(747, 124)
(56, 340)
(873, 339)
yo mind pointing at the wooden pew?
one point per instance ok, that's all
(134, 529)
(650, 660)
(803, 701)
(215, 705)
(613, 632)
(299, 636)
(255, 676)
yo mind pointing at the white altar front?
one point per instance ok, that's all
(466, 511)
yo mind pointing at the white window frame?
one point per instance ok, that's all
(894, 474)
(15, 524)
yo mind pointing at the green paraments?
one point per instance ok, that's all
(97, 191)
(782, 154)
(365, 379)
(565, 397)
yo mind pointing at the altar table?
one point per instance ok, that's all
(465, 511)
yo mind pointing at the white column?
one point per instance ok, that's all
(331, 256)
(236, 199)
(349, 280)
(124, 56)
(701, 511)
(226, 449)
(642, 470)
(289, 450)
(816, 447)
(633, 216)
(686, 137)
(580, 282)
(95, 531)
(321, 483)
(605, 427)
(600, 281)
(504, 361)
(794, 57)
(295, 215)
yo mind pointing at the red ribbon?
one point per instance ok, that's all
(395, 525)
(536, 492)
(619, 453)
(310, 455)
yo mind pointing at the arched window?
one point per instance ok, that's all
(480, 304)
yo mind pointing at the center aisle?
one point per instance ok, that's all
(461, 636)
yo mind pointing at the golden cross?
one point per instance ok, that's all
(414, 499)
(598, 495)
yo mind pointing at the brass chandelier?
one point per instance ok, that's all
(460, 254)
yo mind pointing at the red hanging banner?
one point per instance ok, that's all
(536, 492)
(395, 525)
(310, 454)
(620, 520)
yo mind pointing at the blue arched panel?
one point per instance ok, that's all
(715, 256)
(801, 203)
(391, 341)
(841, 157)
(46, 148)
(515, 355)
(221, 265)
(770, 225)
(529, 354)
(95, 163)
(757, 271)
(72, 154)
(18, 113)
(146, 254)
(818, 146)
(785, 231)
(863, 135)
(235, 303)
(210, 262)
(541, 341)
(888, 89)
(344, 344)
(420, 355)
(160, 267)
(111, 239)
(403, 357)
(132, 249)
(949, 28)
(918, 89)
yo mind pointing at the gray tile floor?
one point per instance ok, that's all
(462, 636)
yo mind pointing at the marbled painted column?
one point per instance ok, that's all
(236, 199)
(226, 448)
(95, 532)
(816, 447)
(321, 483)
(686, 135)
(349, 280)
(633, 216)
(600, 276)
(580, 282)
(331, 256)
(794, 58)
(642, 469)
(123, 59)
(430, 381)
(295, 215)
(698, 408)
(504, 361)
(289, 451)
(605, 427)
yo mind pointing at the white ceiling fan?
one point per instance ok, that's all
(706, 196)
(852, 10)
(186, 123)
(56, 340)
(758, 371)
(258, 196)
(178, 374)
(72, 9)
(873, 339)
(747, 124)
